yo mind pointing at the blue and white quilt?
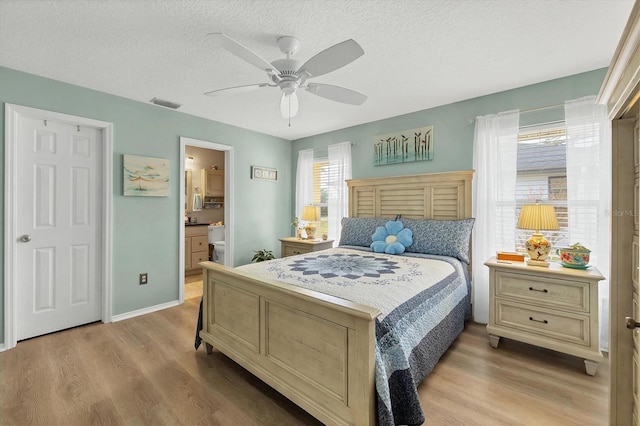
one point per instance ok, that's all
(424, 300)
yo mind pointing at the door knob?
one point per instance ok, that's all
(632, 323)
(25, 238)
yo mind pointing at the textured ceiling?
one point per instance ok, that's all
(418, 54)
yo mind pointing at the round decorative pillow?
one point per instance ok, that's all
(392, 238)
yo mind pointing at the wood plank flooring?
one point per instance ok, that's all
(193, 286)
(145, 371)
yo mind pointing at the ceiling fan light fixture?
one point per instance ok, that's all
(288, 86)
(289, 105)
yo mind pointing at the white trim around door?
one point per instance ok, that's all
(228, 202)
(12, 113)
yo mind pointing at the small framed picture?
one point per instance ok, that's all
(264, 173)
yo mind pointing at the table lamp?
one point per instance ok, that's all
(538, 216)
(311, 214)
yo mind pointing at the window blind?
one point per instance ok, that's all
(321, 182)
(542, 175)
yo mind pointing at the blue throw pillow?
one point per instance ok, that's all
(442, 237)
(392, 238)
(357, 231)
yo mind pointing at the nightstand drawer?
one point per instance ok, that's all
(560, 326)
(291, 246)
(199, 244)
(292, 250)
(565, 294)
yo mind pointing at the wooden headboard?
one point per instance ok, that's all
(439, 196)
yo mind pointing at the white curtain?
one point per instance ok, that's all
(495, 150)
(589, 190)
(304, 181)
(338, 200)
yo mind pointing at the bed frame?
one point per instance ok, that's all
(315, 349)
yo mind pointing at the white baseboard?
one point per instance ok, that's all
(127, 315)
(137, 313)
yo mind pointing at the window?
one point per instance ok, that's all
(321, 181)
(542, 175)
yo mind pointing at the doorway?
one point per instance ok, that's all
(57, 223)
(200, 160)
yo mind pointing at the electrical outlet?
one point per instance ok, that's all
(143, 278)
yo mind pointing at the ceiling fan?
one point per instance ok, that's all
(290, 75)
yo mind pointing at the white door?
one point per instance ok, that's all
(59, 216)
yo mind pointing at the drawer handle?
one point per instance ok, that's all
(544, 290)
(542, 321)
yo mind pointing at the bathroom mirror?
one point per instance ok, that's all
(188, 191)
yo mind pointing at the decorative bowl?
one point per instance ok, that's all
(576, 256)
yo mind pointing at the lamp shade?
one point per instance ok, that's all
(538, 216)
(311, 213)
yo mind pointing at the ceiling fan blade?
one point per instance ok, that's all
(336, 93)
(242, 52)
(331, 59)
(289, 105)
(237, 89)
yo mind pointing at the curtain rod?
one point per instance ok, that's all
(524, 111)
(541, 108)
(547, 123)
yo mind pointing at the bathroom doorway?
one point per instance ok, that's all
(206, 206)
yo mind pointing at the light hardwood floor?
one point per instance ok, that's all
(145, 371)
(192, 286)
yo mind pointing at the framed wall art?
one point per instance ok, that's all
(264, 173)
(145, 176)
(403, 147)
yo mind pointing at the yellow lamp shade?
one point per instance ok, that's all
(538, 216)
(311, 214)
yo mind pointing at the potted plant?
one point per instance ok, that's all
(262, 255)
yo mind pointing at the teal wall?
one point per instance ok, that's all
(146, 235)
(453, 126)
(146, 229)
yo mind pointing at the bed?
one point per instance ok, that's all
(332, 352)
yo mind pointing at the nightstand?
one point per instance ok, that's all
(555, 308)
(293, 245)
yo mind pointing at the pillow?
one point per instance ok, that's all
(392, 238)
(443, 237)
(357, 231)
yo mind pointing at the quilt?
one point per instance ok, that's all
(424, 300)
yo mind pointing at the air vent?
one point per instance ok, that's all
(168, 104)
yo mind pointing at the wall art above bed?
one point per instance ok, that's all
(406, 146)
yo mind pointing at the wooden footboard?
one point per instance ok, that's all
(315, 349)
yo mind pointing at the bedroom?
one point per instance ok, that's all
(145, 241)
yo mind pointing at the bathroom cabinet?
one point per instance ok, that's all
(212, 182)
(196, 248)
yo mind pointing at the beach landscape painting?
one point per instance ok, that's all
(145, 176)
(403, 147)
